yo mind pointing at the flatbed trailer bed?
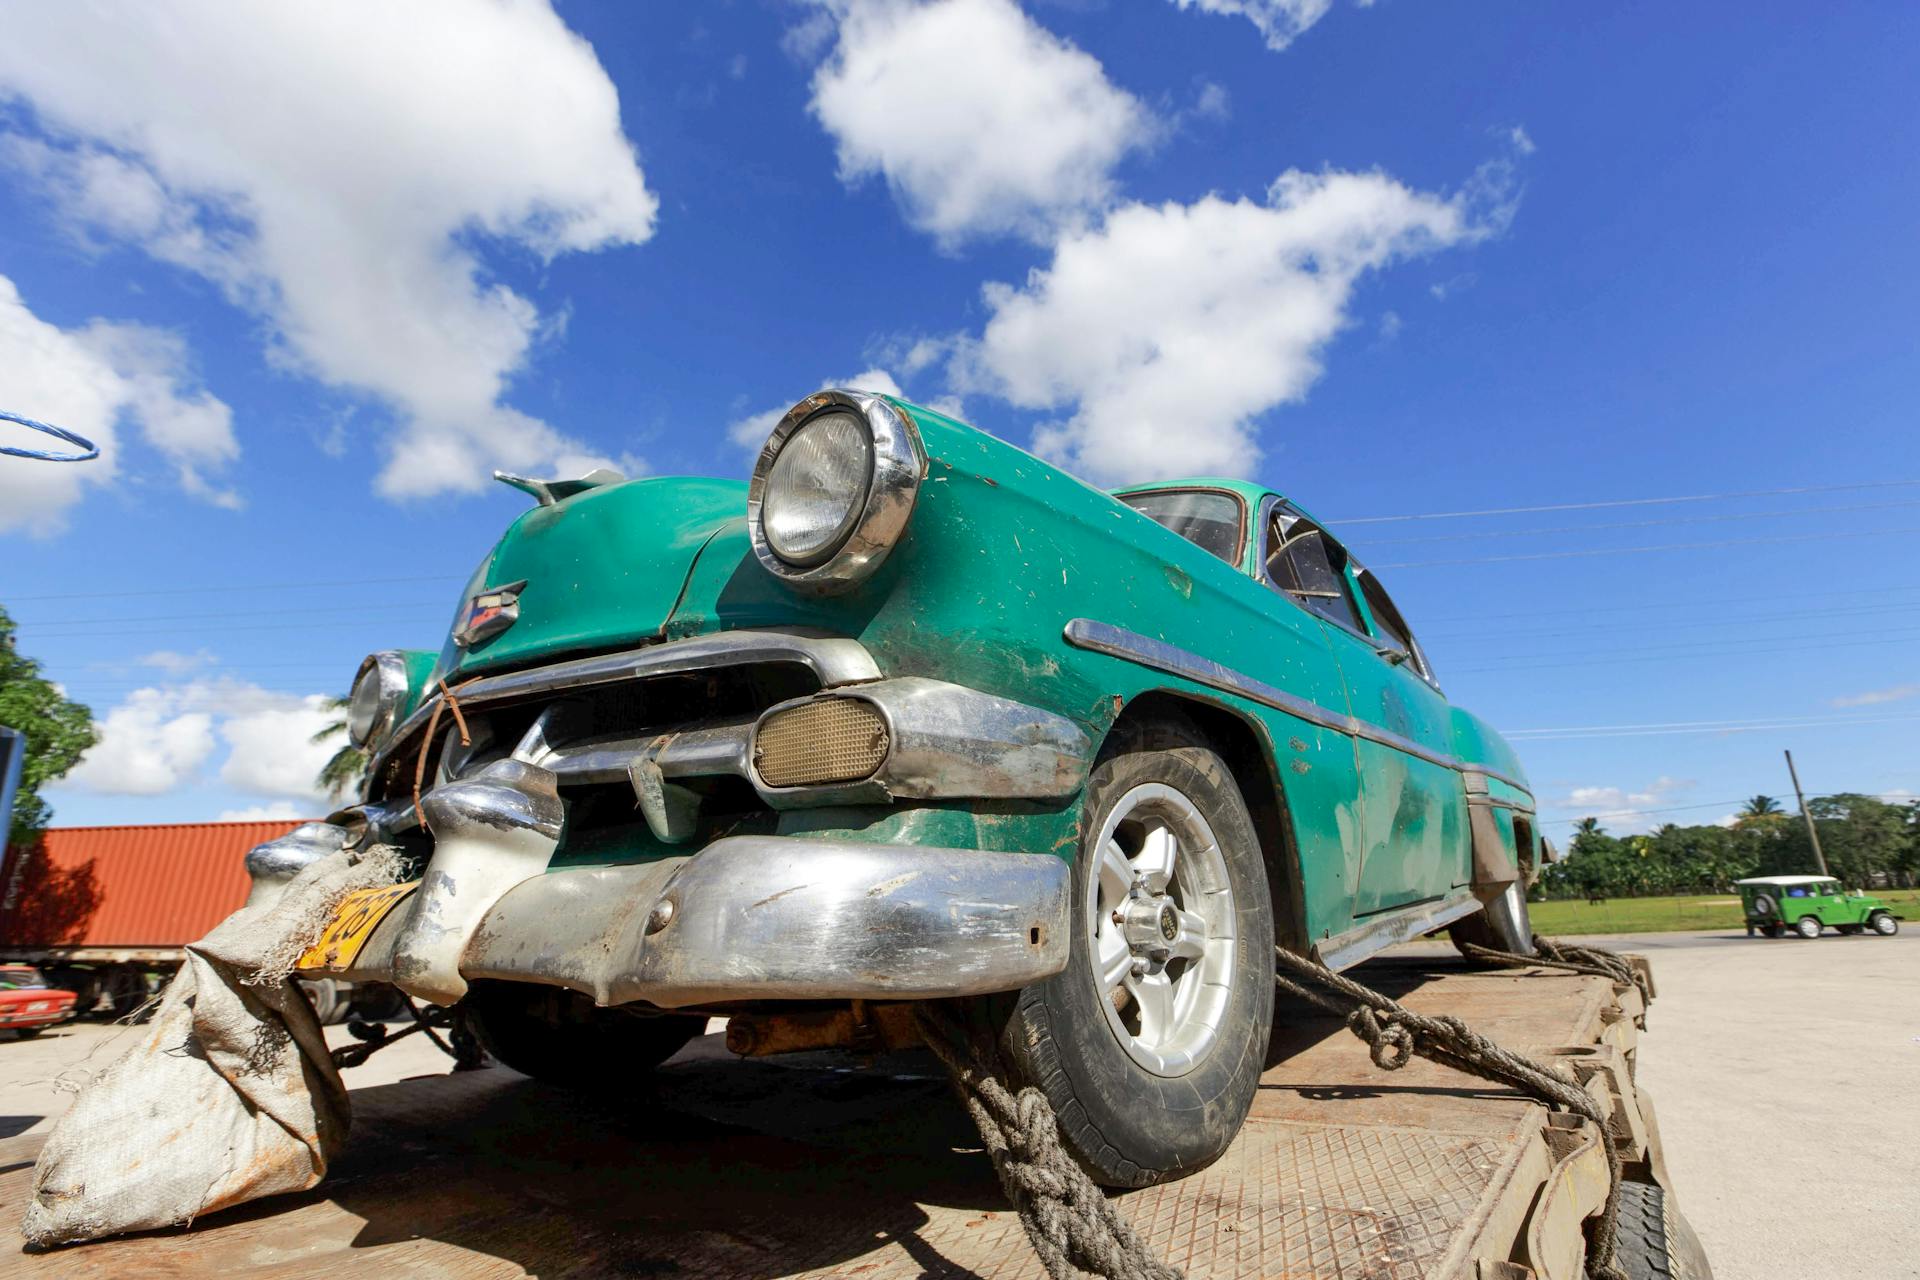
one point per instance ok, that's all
(820, 1165)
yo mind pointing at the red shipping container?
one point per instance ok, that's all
(133, 887)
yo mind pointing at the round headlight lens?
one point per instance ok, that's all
(375, 698)
(817, 487)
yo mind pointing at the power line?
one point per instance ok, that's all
(1690, 624)
(1674, 657)
(1691, 604)
(204, 616)
(1662, 724)
(1837, 722)
(1670, 546)
(1644, 524)
(1726, 644)
(1887, 796)
(268, 586)
(1632, 502)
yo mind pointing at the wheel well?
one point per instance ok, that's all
(1243, 746)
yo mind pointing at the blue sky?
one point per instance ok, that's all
(312, 274)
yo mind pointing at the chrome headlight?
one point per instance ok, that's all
(832, 489)
(373, 707)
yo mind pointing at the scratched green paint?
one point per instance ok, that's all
(1003, 550)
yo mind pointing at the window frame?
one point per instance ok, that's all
(1416, 655)
(1271, 508)
(1239, 506)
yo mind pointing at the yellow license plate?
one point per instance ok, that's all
(353, 923)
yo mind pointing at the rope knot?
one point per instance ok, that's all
(1389, 1042)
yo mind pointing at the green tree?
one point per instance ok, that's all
(346, 767)
(1860, 835)
(58, 732)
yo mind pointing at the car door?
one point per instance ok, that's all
(1414, 823)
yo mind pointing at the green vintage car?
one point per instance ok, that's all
(913, 715)
(1809, 904)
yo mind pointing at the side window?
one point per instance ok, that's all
(1208, 518)
(1388, 625)
(1310, 566)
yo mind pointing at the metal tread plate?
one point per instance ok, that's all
(801, 1166)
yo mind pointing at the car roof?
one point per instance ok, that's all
(1787, 880)
(1251, 491)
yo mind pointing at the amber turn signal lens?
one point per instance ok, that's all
(828, 740)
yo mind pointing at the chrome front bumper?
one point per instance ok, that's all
(751, 918)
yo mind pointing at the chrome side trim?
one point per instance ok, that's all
(780, 918)
(834, 660)
(1344, 950)
(1118, 642)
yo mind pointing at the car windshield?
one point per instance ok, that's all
(1207, 518)
(18, 978)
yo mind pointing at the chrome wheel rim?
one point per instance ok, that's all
(1160, 929)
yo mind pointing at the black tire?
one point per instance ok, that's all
(1500, 925)
(1128, 1126)
(562, 1038)
(1653, 1241)
(1883, 923)
(1846, 930)
(1771, 930)
(27, 1033)
(1809, 927)
(326, 997)
(1763, 906)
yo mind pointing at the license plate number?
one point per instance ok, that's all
(354, 921)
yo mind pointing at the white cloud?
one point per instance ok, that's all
(1281, 22)
(278, 811)
(338, 170)
(1023, 142)
(272, 749)
(1170, 328)
(752, 431)
(164, 738)
(175, 663)
(1874, 697)
(1623, 810)
(148, 745)
(91, 380)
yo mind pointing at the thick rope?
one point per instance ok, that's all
(1562, 955)
(1394, 1034)
(1074, 1228)
(1076, 1231)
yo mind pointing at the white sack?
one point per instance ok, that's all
(229, 1096)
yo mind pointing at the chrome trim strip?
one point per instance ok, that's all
(835, 660)
(1118, 642)
(1344, 950)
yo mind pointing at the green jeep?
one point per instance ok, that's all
(1809, 904)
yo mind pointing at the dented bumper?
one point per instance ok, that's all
(745, 918)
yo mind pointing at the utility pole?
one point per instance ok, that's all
(1812, 835)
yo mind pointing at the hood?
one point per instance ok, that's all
(603, 569)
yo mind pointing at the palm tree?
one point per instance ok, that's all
(1760, 811)
(344, 768)
(1587, 827)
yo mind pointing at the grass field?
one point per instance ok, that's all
(1662, 915)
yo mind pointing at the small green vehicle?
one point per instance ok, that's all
(1808, 905)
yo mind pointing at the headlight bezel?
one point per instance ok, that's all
(898, 463)
(388, 669)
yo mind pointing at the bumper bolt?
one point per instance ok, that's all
(661, 916)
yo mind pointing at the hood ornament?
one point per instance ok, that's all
(489, 612)
(548, 492)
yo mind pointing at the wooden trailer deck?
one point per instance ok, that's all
(819, 1165)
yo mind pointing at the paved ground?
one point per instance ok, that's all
(1783, 1070)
